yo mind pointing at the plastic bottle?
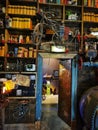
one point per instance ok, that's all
(8, 21)
(62, 30)
(20, 39)
(48, 87)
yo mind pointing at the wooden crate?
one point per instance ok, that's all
(20, 111)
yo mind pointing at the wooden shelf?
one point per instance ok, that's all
(21, 97)
(8, 72)
(22, 15)
(19, 29)
(74, 21)
(25, 1)
(52, 4)
(74, 6)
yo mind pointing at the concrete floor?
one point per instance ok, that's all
(51, 119)
(50, 114)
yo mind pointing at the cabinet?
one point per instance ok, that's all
(78, 17)
(71, 15)
(16, 48)
(18, 59)
(2, 33)
(73, 26)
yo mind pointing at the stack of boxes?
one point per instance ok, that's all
(24, 10)
(20, 22)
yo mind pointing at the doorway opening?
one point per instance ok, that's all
(56, 76)
(50, 92)
(50, 87)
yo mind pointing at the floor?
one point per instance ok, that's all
(49, 120)
(50, 114)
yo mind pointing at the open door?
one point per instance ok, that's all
(68, 90)
(67, 103)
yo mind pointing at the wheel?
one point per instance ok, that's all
(95, 119)
(88, 108)
(37, 34)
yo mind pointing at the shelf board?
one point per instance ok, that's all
(58, 55)
(8, 72)
(2, 57)
(74, 21)
(89, 7)
(19, 29)
(25, 1)
(29, 72)
(26, 97)
(2, 15)
(16, 72)
(51, 4)
(91, 22)
(20, 44)
(75, 6)
(19, 125)
(13, 58)
(21, 15)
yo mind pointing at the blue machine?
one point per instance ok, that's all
(88, 106)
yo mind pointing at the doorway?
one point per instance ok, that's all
(65, 62)
(50, 93)
(50, 81)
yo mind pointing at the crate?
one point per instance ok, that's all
(20, 111)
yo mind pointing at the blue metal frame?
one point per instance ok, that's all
(90, 64)
(74, 88)
(39, 88)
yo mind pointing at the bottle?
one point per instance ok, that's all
(85, 2)
(89, 3)
(20, 39)
(8, 22)
(48, 87)
(62, 30)
(27, 39)
(2, 38)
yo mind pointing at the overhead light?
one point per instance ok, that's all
(58, 48)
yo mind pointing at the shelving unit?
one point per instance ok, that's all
(67, 12)
(18, 58)
(78, 18)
